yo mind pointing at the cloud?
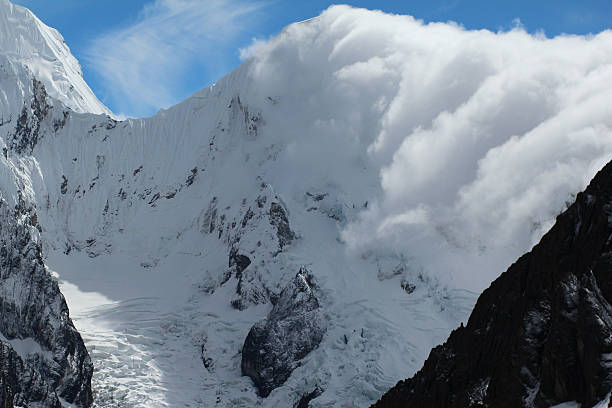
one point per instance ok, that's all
(466, 144)
(256, 44)
(142, 65)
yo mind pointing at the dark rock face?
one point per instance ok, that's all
(245, 294)
(541, 334)
(293, 329)
(304, 402)
(28, 124)
(21, 384)
(32, 307)
(238, 261)
(278, 218)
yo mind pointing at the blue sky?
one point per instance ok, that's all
(139, 56)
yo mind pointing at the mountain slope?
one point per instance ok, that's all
(159, 216)
(541, 334)
(24, 39)
(44, 360)
(43, 356)
(182, 241)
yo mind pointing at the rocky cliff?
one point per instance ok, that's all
(43, 355)
(541, 334)
(293, 329)
(43, 359)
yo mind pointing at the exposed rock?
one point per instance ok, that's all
(241, 113)
(317, 196)
(275, 346)
(64, 185)
(61, 122)
(27, 128)
(33, 309)
(249, 291)
(304, 401)
(541, 334)
(191, 177)
(210, 217)
(260, 230)
(206, 360)
(21, 384)
(327, 205)
(249, 214)
(278, 218)
(246, 292)
(238, 261)
(407, 286)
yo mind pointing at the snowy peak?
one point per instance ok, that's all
(26, 40)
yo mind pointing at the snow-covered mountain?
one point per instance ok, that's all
(317, 203)
(28, 42)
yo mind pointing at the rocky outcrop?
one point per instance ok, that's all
(256, 238)
(304, 401)
(32, 310)
(278, 218)
(21, 384)
(27, 129)
(274, 347)
(541, 334)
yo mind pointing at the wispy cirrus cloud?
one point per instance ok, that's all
(143, 66)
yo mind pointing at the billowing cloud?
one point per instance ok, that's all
(477, 139)
(246, 52)
(142, 64)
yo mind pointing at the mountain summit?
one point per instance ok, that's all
(26, 40)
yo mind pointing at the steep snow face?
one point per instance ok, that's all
(26, 40)
(174, 235)
(149, 224)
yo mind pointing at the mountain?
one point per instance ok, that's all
(28, 42)
(171, 243)
(265, 242)
(541, 334)
(44, 361)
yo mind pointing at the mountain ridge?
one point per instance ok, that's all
(27, 40)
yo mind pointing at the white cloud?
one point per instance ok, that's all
(256, 44)
(477, 138)
(142, 64)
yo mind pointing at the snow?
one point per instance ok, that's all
(27, 40)
(571, 404)
(137, 294)
(386, 175)
(605, 403)
(27, 347)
